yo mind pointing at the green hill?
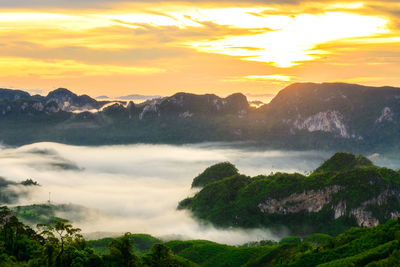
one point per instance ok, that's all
(358, 246)
(343, 162)
(214, 173)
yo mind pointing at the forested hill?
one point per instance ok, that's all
(344, 191)
(302, 115)
(60, 244)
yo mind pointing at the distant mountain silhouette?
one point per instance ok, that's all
(302, 115)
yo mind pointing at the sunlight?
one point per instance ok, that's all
(276, 77)
(296, 39)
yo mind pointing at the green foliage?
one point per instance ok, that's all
(142, 244)
(290, 240)
(160, 255)
(317, 238)
(121, 252)
(60, 244)
(29, 182)
(343, 162)
(218, 198)
(215, 173)
(207, 253)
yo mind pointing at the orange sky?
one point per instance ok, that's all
(111, 47)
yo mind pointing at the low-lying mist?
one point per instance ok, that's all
(136, 188)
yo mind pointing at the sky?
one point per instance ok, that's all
(117, 47)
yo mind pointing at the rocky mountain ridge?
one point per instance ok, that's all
(334, 114)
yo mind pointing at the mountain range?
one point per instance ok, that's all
(302, 115)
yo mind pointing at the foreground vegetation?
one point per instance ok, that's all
(60, 244)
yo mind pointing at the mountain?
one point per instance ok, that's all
(215, 173)
(348, 111)
(301, 116)
(68, 101)
(11, 95)
(344, 191)
(184, 105)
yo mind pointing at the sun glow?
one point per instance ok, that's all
(295, 40)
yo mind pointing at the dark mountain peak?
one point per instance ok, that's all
(214, 173)
(237, 100)
(69, 101)
(86, 98)
(236, 96)
(11, 95)
(342, 161)
(61, 92)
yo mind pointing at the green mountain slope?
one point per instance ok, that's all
(344, 191)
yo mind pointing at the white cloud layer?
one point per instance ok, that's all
(136, 188)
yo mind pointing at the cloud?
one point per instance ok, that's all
(123, 57)
(99, 4)
(260, 95)
(294, 39)
(137, 188)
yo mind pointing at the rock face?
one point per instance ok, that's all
(386, 115)
(328, 121)
(310, 201)
(365, 217)
(186, 105)
(315, 200)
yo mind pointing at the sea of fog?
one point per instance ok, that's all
(136, 188)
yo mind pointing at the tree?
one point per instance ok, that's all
(121, 252)
(17, 239)
(160, 255)
(57, 234)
